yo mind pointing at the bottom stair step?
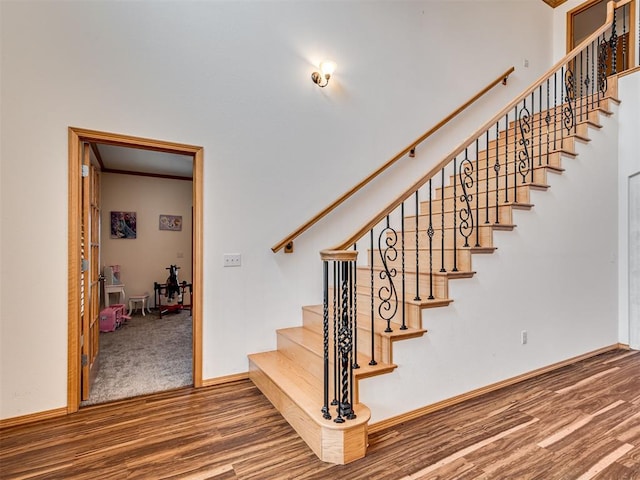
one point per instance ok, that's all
(299, 400)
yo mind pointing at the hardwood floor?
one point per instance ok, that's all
(579, 422)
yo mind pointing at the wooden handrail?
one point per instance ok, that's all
(288, 240)
(611, 6)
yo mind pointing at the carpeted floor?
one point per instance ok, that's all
(145, 355)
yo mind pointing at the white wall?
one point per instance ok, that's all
(628, 165)
(234, 78)
(143, 260)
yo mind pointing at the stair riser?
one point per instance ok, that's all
(490, 186)
(300, 355)
(486, 235)
(505, 215)
(440, 286)
(555, 132)
(314, 322)
(590, 114)
(412, 312)
(536, 146)
(452, 221)
(505, 177)
(519, 194)
(463, 260)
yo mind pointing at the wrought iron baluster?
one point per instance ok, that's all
(602, 68)
(531, 161)
(354, 304)
(387, 294)
(613, 44)
(345, 343)
(524, 125)
(373, 344)
(325, 338)
(442, 269)
(594, 78)
(336, 314)
(430, 233)
(353, 351)
(477, 191)
(569, 85)
(581, 96)
(539, 129)
(417, 297)
(455, 214)
(515, 155)
(624, 38)
(496, 169)
(555, 110)
(506, 158)
(486, 179)
(547, 121)
(404, 297)
(466, 213)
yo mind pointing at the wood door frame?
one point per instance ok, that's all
(76, 137)
(587, 5)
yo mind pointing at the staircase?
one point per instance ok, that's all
(378, 283)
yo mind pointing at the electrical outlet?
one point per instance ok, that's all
(525, 63)
(523, 337)
(232, 260)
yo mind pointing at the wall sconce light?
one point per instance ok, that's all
(322, 77)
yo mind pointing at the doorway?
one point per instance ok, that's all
(79, 140)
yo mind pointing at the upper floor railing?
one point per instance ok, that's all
(287, 242)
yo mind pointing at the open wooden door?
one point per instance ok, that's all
(90, 276)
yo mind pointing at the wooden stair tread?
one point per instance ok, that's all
(296, 385)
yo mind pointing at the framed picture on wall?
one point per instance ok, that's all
(123, 225)
(171, 222)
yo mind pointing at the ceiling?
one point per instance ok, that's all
(554, 3)
(139, 161)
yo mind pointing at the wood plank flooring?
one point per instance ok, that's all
(579, 422)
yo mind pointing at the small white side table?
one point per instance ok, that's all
(138, 299)
(109, 289)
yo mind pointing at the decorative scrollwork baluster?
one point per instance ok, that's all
(524, 126)
(602, 69)
(466, 213)
(613, 44)
(547, 121)
(570, 95)
(387, 294)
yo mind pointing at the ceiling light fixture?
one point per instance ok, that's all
(322, 77)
